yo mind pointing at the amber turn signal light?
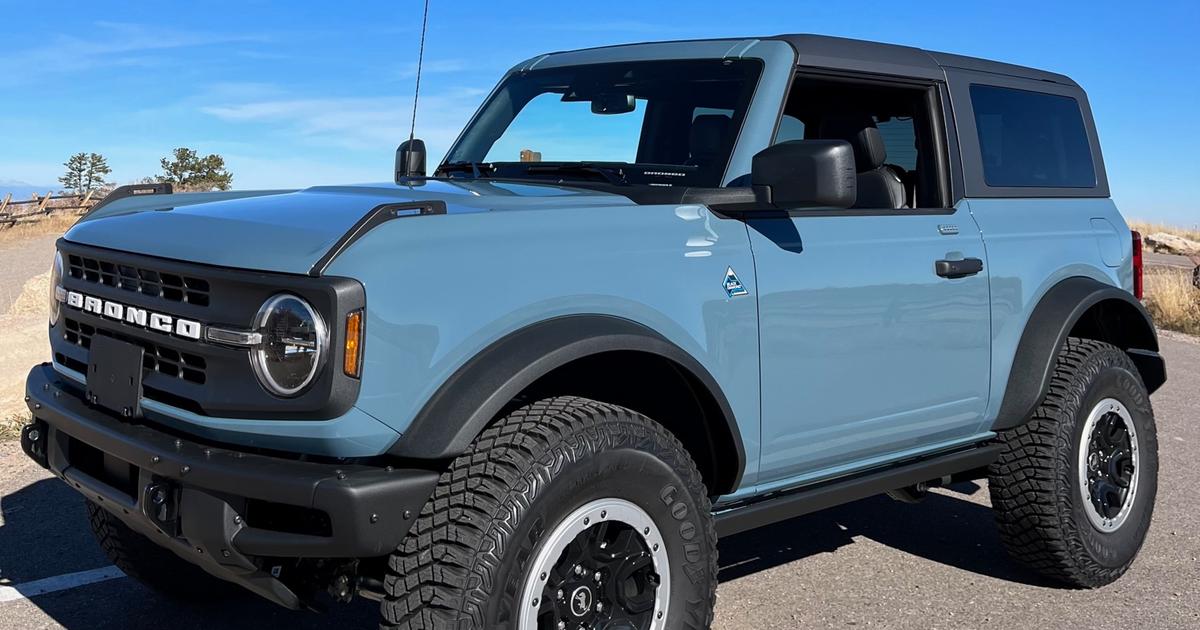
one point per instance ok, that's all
(352, 358)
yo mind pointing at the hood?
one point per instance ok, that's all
(288, 231)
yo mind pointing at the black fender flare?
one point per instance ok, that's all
(1056, 315)
(480, 389)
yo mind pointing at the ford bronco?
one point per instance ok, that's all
(653, 294)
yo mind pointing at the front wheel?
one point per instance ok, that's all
(1074, 487)
(566, 513)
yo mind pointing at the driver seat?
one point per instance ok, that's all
(878, 184)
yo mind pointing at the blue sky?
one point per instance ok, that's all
(303, 93)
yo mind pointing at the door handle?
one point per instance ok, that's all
(958, 268)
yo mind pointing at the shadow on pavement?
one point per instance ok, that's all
(942, 528)
(45, 534)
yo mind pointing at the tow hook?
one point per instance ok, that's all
(33, 441)
(160, 502)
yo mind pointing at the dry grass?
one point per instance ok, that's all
(10, 427)
(1173, 300)
(51, 224)
(1148, 227)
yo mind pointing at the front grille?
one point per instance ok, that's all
(157, 358)
(168, 286)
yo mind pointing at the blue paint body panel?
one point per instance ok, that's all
(454, 284)
(865, 351)
(1032, 245)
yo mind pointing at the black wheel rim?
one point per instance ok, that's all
(1108, 472)
(604, 580)
(605, 566)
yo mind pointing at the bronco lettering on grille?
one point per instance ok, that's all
(150, 320)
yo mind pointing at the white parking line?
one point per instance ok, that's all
(58, 583)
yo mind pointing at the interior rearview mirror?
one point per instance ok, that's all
(410, 159)
(613, 104)
(805, 174)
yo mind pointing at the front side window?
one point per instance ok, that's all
(1031, 139)
(657, 123)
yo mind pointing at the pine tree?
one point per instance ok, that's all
(77, 166)
(97, 168)
(85, 173)
(186, 170)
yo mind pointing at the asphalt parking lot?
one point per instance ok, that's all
(875, 563)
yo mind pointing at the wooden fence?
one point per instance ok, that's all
(14, 212)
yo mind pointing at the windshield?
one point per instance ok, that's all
(659, 123)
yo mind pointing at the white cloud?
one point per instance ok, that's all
(112, 44)
(358, 123)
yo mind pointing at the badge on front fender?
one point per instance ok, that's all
(733, 286)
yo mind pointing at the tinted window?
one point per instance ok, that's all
(900, 140)
(1030, 139)
(790, 128)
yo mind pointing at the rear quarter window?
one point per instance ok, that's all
(1031, 139)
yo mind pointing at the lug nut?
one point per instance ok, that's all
(599, 607)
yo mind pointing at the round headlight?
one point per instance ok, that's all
(293, 344)
(57, 294)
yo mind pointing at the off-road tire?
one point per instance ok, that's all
(1035, 487)
(464, 561)
(153, 566)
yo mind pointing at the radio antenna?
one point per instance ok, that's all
(412, 131)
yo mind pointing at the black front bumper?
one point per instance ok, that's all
(238, 515)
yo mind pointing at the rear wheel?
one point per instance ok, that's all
(566, 513)
(1074, 488)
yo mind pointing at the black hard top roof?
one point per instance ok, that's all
(856, 54)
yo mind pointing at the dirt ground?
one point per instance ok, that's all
(24, 295)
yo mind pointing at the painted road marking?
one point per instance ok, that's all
(58, 583)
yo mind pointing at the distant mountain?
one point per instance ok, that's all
(21, 190)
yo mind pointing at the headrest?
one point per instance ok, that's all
(707, 136)
(860, 131)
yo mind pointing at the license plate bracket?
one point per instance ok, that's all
(114, 378)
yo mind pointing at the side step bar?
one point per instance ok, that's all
(786, 504)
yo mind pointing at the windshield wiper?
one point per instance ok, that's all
(612, 175)
(477, 169)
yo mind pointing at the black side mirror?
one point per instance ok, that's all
(806, 174)
(410, 159)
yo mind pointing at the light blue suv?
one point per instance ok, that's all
(654, 293)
